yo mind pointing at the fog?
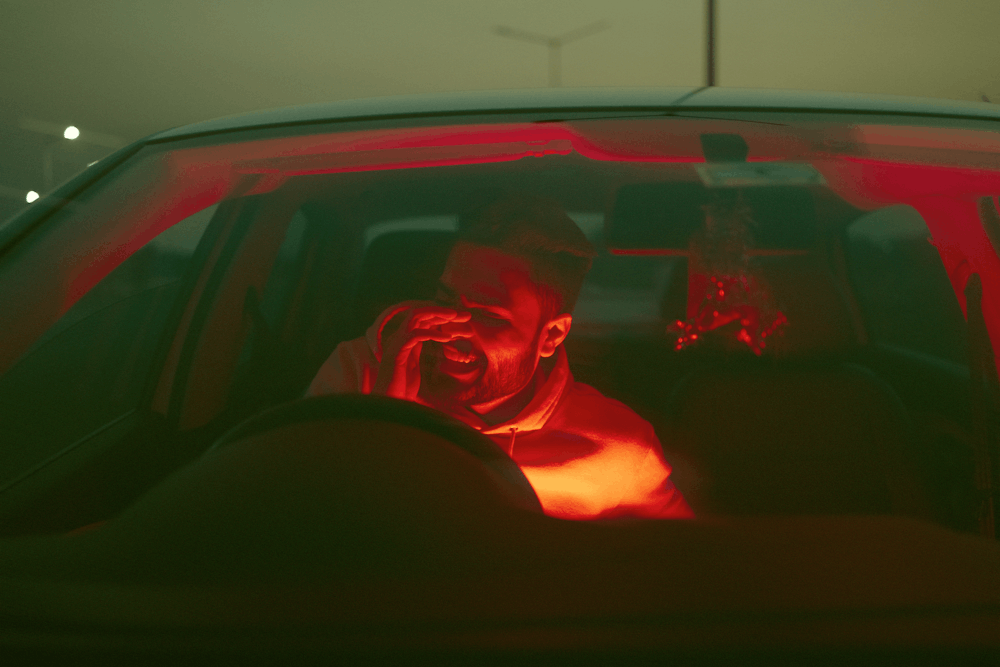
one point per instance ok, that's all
(127, 68)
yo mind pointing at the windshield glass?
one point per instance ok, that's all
(773, 304)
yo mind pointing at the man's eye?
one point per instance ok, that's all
(488, 317)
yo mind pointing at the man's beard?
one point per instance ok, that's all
(504, 376)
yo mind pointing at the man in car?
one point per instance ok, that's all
(489, 352)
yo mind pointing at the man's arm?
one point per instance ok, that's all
(386, 360)
(353, 366)
(646, 490)
(666, 502)
(657, 497)
(351, 369)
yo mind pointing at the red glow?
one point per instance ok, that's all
(612, 481)
(959, 147)
(197, 177)
(945, 196)
(964, 249)
(585, 455)
(424, 147)
(652, 140)
(869, 183)
(104, 259)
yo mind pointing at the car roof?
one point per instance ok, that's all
(580, 99)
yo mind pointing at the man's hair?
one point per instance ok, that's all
(538, 230)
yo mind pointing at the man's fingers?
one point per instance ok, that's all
(459, 329)
(425, 323)
(423, 335)
(453, 329)
(435, 322)
(425, 317)
(413, 361)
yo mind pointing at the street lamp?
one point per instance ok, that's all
(555, 44)
(66, 133)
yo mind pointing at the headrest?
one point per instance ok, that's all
(399, 266)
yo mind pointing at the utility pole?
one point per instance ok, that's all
(554, 44)
(710, 40)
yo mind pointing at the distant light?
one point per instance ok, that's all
(31, 196)
(71, 132)
(91, 164)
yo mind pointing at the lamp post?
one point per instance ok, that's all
(554, 44)
(710, 41)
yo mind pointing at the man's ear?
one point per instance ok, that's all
(553, 334)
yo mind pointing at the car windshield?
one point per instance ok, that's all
(781, 297)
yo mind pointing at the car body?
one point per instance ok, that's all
(165, 493)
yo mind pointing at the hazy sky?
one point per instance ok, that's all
(132, 67)
(135, 66)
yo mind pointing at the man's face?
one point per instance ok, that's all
(501, 356)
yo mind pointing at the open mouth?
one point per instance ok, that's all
(454, 354)
(461, 365)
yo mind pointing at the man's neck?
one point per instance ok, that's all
(508, 407)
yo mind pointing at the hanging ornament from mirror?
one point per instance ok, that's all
(727, 295)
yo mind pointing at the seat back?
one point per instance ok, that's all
(795, 439)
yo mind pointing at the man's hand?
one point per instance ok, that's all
(399, 370)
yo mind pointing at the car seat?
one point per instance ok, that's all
(797, 438)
